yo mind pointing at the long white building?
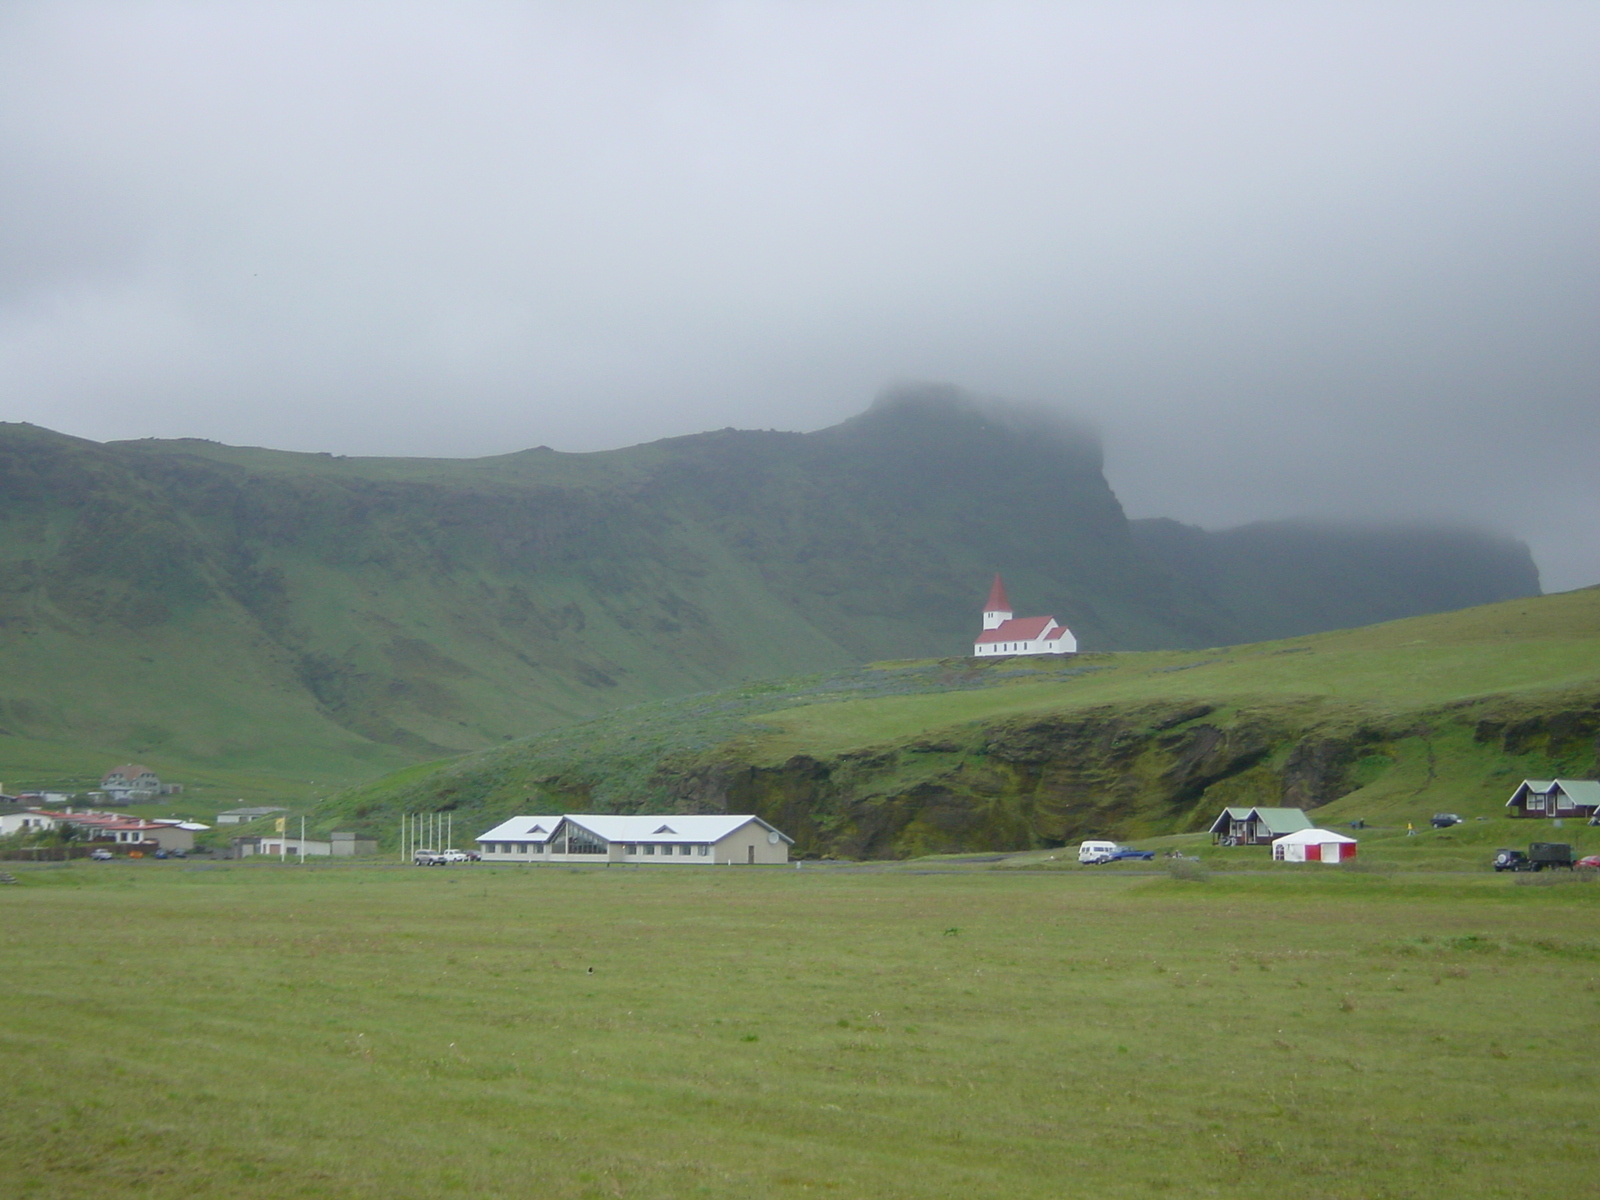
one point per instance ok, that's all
(588, 838)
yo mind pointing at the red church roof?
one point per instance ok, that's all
(1018, 629)
(997, 601)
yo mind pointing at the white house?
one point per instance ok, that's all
(586, 838)
(131, 781)
(1313, 845)
(1004, 633)
(24, 820)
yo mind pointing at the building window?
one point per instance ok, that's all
(631, 848)
(649, 848)
(538, 847)
(581, 841)
(702, 850)
(684, 851)
(1535, 801)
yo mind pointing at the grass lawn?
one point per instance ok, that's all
(265, 1030)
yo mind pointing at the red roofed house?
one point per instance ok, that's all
(1005, 634)
(132, 832)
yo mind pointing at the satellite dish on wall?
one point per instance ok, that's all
(774, 837)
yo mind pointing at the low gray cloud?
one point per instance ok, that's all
(1318, 259)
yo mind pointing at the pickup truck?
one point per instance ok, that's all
(1539, 856)
(441, 858)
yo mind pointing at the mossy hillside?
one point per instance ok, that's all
(311, 615)
(1388, 723)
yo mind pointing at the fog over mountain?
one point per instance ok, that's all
(1329, 260)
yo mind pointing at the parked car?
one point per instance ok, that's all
(1589, 862)
(1444, 820)
(1511, 860)
(441, 858)
(1095, 853)
(1539, 856)
(101, 854)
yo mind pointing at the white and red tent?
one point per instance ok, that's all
(1313, 845)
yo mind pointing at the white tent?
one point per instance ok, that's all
(1313, 845)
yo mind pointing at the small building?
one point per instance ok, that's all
(280, 845)
(243, 816)
(346, 843)
(1005, 633)
(130, 782)
(1313, 845)
(1256, 826)
(1555, 798)
(684, 840)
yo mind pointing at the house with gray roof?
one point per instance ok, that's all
(1556, 798)
(243, 816)
(1257, 826)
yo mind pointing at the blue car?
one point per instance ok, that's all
(1122, 852)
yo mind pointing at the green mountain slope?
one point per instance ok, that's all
(328, 617)
(1391, 721)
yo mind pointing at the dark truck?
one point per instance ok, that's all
(1539, 856)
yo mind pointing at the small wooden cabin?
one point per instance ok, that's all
(1555, 798)
(1256, 826)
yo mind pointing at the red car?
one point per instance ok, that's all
(1589, 861)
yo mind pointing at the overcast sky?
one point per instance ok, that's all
(1326, 259)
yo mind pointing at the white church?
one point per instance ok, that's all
(1003, 633)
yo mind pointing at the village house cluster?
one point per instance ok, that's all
(96, 826)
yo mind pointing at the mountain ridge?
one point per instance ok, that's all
(252, 606)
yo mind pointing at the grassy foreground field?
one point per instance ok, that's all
(259, 1030)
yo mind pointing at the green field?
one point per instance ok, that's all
(258, 1030)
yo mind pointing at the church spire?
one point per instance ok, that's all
(997, 608)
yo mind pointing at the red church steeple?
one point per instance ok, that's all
(997, 601)
(997, 609)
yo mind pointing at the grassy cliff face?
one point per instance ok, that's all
(1389, 723)
(321, 616)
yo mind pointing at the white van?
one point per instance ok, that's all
(1096, 852)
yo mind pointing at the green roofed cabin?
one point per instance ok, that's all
(1256, 826)
(1556, 798)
